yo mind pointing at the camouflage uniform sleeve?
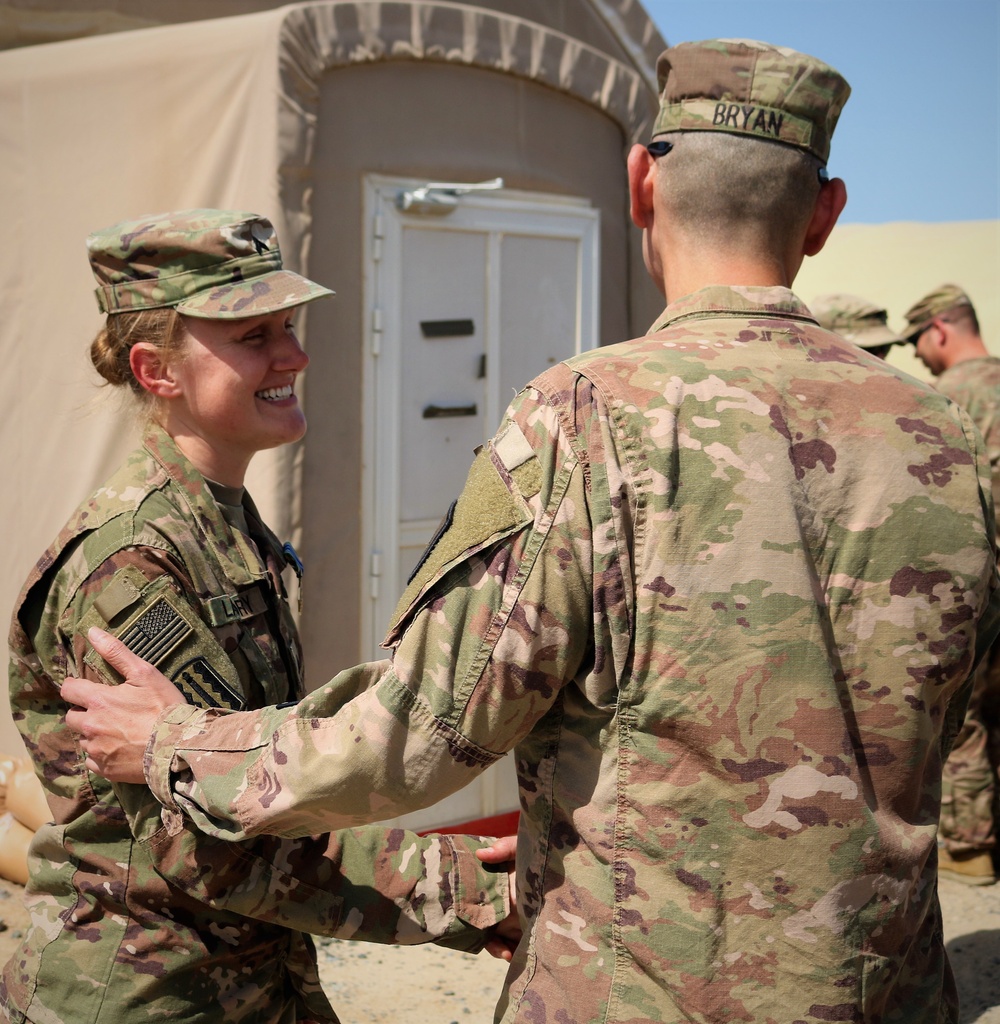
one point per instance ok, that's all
(988, 626)
(375, 884)
(975, 386)
(371, 884)
(494, 624)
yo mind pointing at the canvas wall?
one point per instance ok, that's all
(225, 113)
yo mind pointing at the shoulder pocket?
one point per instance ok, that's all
(492, 506)
(156, 623)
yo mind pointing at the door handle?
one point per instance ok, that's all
(447, 328)
(436, 412)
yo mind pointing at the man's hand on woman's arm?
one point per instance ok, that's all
(114, 723)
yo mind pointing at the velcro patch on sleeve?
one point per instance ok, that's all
(202, 685)
(518, 458)
(156, 632)
(165, 630)
(512, 447)
(485, 512)
(122, 592)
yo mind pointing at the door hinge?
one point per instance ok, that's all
(376, 331)
(375, 574)
(378, 234)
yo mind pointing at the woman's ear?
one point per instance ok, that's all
(152, 370)
(830, 203)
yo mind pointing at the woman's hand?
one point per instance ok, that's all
(504, 936)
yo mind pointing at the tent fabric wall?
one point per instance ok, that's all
(315, 38)
(319, 43)
(622, 27)
(28, 27)
(637, 33)
(86, 141)
(213, 113)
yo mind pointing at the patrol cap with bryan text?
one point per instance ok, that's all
(745, 87)
(855, 319)
(214, 264)
(938, 302)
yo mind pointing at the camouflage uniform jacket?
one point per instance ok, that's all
(975, 385)
(219, 936)
(719, 588)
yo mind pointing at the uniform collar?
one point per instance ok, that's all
(736, 301)
(232, 550)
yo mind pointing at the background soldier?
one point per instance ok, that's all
(945, 331)
(720, 588)
(857, 320)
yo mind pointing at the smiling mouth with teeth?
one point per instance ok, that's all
(274, 394)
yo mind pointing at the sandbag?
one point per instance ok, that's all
(8, 765)
(14, 841)
(26, 798)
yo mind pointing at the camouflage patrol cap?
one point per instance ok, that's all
(749, 88)
(855, 319)
(940, 301)
(214, 264)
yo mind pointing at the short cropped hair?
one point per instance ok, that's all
(734, 192)
(963, 317)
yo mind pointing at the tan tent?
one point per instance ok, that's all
(332, 118)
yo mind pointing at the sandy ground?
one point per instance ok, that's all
(371, 984)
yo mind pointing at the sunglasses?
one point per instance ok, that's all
(660, 147)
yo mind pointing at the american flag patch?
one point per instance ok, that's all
(156, 632)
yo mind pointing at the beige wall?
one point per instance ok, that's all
(896, 264)
(256, 74)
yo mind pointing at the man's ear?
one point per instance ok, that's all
(152, 371)
(830, 203)
(941, 337)
(641, 185)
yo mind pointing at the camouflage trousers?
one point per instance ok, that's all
(970, 790)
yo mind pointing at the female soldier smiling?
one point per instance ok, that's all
(136, 916)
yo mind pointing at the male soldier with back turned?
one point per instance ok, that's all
(719, 588)
(945, 330)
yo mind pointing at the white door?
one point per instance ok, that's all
(465, 308)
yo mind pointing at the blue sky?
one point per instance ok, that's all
(919, 138)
